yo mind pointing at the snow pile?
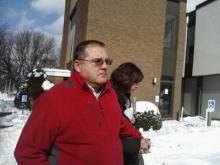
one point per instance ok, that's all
(5, 97)
(38, 73)
(6, 103)
(145, 106)
(185, 143)
(10, 135)
(47, 85)
(141, 106)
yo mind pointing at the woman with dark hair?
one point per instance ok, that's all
(125, 79)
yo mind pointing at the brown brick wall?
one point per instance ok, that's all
(81, 15)
(81, 11)
(179, 61)
(133, 31)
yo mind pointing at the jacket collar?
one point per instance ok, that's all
(82, 83)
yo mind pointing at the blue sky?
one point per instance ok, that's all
(38, 15)
(42, 15)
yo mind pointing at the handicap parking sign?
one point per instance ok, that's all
(211, 105)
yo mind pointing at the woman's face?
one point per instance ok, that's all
(134, 87)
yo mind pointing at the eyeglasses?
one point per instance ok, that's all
(98, 61)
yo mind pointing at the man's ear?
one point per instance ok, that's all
(76, 65)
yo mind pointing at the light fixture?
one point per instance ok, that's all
(154, 81)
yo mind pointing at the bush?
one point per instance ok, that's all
(148, 120)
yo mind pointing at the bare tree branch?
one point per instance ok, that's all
(21, 53)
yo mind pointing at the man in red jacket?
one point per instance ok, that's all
(78, 122)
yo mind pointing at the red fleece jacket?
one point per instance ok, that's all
(84, 130)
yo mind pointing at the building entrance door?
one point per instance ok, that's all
(165, 104)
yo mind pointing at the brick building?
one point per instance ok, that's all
(149, 33)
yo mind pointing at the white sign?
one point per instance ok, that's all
(157, 99)
(166, 91)
(211, 106)
(24, 98)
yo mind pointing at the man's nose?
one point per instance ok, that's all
(104, 65)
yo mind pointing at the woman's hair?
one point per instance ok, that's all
(123, 77)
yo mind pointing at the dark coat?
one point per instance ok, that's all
(84, 130)
(131, 146)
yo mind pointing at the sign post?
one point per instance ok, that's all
(209, 110)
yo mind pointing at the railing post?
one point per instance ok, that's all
(209, 118)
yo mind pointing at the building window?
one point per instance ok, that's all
(170, 31)
(72, 38)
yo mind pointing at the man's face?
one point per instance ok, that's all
(95, 74)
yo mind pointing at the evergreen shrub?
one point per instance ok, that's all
(148, 120)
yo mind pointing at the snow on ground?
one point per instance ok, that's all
(10, 135)
(177, 143)
(185, 143)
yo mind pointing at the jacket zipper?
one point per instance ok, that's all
(95, 114)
